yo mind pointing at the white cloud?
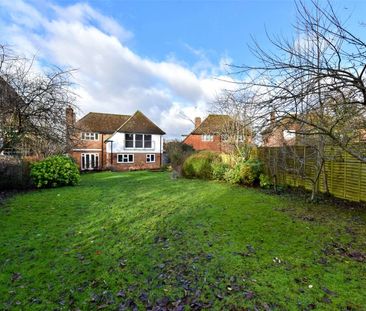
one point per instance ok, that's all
(110, 76)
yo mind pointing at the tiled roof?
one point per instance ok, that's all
(139, 123)
(110, 123)
(101, 122)
(213, 124)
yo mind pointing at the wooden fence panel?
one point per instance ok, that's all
(363, 182)
(344, 175)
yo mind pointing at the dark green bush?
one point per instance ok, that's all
(177, 152)
(55, 171)
(15, 173)
(219, 169)
(199, 165)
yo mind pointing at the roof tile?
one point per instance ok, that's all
(101, 122)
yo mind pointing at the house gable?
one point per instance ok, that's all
(139, 123)
(213, 124)
(207, 135)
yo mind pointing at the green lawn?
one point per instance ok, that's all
(141, 240)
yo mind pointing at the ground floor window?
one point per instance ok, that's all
(125, 158)
(89, 161)
(150, 158)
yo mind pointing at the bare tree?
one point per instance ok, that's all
(33, 104)
(238, 130)
(316, 79)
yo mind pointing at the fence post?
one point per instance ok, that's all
(344, 174)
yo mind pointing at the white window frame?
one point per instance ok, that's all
(143, 141)
(89, 136)
(207, 137)
(125, 157)
(89, 155)
(148, 158)
(289, 134)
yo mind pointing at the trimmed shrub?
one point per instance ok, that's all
(199, 165)
(219, 169)
(254, 170)
(264, 181)
(246, 173)
(233, 175)
(55, 171)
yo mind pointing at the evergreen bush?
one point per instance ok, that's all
(199, 165)
(55, 171)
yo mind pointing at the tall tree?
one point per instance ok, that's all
(317, 79)
(33, 104)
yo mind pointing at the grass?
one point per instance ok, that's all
(141, 240)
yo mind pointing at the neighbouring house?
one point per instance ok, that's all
(288, 131)
(10, 141)
(218, 133)
(117, 142)
(281, 133)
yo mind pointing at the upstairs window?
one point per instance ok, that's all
(89, 136)
(207, 137)
(138, 141)
(147, 141)
(129, 140)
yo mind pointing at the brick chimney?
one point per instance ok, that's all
(197, 122)
(70, 124)
(70, 117)
(273, 117)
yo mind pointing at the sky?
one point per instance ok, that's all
(168, 59)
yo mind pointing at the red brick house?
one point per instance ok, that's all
(294, 133)
(118, 142)
(289, 131)
(217, 133)
(279, 134)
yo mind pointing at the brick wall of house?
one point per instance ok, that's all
(87, 146)
(276, 138)
(139, 163)
(91, 146)
(216, 145)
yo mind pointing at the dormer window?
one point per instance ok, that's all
(207, 137)
(89, 136)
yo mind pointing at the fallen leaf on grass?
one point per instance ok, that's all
(121, 294)
(16, 277)
(249, 295)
